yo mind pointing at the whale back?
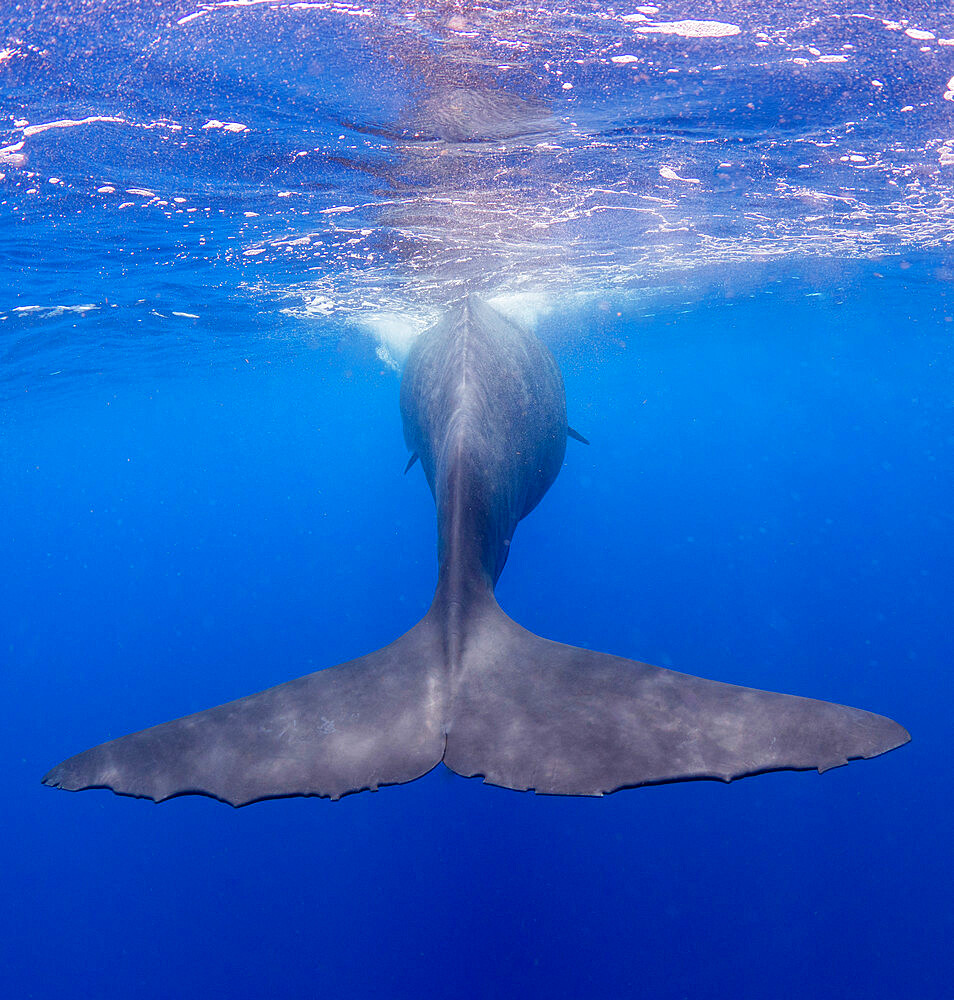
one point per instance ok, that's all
(484, 409)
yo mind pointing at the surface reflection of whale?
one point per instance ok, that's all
(465, 115)
(484, 410)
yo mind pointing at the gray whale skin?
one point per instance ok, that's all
(484, 410)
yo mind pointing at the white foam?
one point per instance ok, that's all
(919, 35)
(216, 6)
(52, 312)
(319, 305)
(12, 155)
(338, 8)
(70, 123)
(623, 60)
(384, 355)
(524, 308)
(671, 175)
(692, 29)
(225, 126)
(395, 332)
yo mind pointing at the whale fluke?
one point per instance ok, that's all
(522, 712)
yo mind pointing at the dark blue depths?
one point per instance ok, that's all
(766, 501)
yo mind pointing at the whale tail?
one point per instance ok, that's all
(521, 711)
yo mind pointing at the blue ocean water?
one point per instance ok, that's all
(222, 226)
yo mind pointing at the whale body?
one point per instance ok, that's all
(484, 411)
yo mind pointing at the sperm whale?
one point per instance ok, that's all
(484, 412)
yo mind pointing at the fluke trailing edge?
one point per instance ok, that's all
(484, 411)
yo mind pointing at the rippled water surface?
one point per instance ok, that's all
(361, 165)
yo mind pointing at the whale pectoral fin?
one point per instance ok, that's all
(410, 463)
(535, 714)
(576, 435)
(373, 721)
